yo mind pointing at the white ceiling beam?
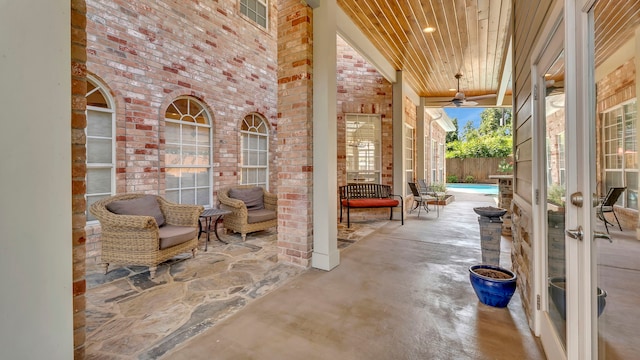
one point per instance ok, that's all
(348, 30)
(505, 78)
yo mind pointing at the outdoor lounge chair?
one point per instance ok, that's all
(140, 229)
(607, 206)
(252, 209)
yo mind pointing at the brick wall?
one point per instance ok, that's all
(206, 50)
(79, 170)
(363, 90)
(295, 129)
(150, 52)
(617, 87)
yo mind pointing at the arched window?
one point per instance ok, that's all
(255, 151)
(188, 152)
(100, 133)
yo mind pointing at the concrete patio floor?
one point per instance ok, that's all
(400, 292)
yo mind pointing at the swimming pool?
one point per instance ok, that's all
(489, 189)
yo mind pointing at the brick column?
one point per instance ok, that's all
(295, 133)
(79, 169)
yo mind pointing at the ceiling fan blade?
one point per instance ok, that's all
(480, 97)
(441, 101)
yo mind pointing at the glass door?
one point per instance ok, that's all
(586, 82)
(556, 190)
(614, 36)
(564, 140)
(551, 174)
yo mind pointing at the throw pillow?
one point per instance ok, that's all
(146, 205)
(252, 197)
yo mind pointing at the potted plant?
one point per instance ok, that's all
(439, 190)
(505, 166)
(439, 187)
(493, 285)
(557, 290)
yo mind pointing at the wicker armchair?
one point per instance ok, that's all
(138, 240)
(243, 220)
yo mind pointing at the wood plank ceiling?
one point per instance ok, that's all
(471, 37)
(616, 22)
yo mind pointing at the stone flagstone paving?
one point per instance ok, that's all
(130, 316)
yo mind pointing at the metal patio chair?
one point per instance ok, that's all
(430, 195)
(607, 206)
(420, 200)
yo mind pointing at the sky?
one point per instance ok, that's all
(464, 114)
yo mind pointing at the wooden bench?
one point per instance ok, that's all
(362, 196)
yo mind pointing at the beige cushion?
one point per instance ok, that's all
(146, 206)
(252, 197)
(256, 216)
(172, 235)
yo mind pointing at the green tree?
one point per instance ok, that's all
(453, 135)
(469, 132)
(495, 121)
(492, 138)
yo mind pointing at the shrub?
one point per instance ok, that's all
(496, 146)
(555, 193)
(505, 166)
(469, 179)
(452, 178)
(439, 187)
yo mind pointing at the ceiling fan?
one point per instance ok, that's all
(461, 100)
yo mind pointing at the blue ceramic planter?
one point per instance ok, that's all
(492, 291)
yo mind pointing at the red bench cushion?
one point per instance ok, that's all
(370, 203)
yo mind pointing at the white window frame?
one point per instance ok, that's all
(250, 9)
(202, 143)
(409, 154)
(363, 138)
(620, 143)
(434, 161)
(441, 154)
(254, 127)
(562, 169)
(90, 196)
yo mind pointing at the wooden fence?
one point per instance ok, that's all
(479, 168)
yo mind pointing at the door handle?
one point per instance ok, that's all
(577, 199)
(601, 235)
(575, 233)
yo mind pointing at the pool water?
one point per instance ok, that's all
(489, 189)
